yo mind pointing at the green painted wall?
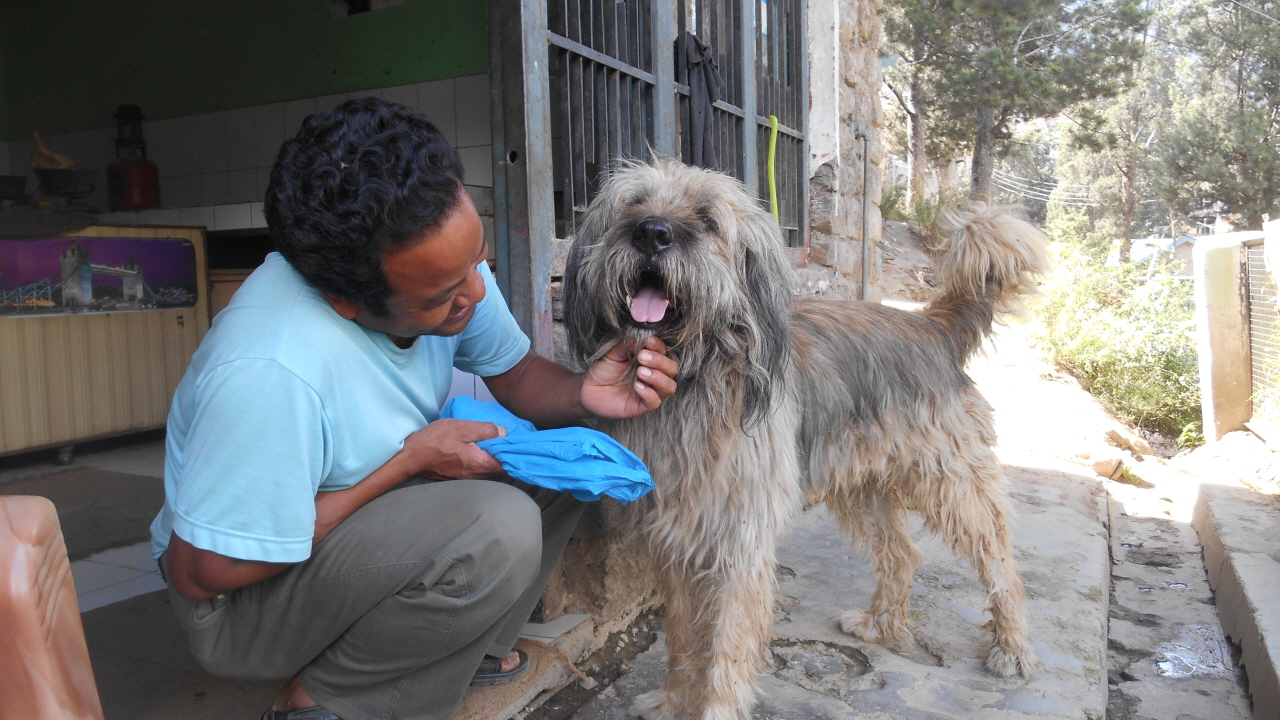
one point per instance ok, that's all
(66, 64)
(4, 113)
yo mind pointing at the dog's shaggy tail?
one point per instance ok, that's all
(989, 262)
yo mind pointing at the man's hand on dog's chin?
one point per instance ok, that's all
(606, 392)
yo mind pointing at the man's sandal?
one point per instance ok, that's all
(490, 670)
(315, 712)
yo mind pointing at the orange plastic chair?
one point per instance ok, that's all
(44, 663)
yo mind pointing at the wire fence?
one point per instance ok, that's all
(1264, 340)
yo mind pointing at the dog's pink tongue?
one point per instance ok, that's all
(649, 305)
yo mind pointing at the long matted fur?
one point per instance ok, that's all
(865, 406)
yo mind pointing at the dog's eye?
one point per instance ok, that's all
(635, 200)
(704, 216)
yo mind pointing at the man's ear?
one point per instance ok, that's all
(345, 308)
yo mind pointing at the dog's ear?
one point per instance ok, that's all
(581, 324)
(765, 277)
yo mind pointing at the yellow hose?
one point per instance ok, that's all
(773, 175)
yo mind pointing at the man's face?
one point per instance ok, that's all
(435, 285)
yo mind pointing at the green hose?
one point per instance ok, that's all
(773, 175)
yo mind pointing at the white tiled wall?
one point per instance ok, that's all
(215, 166)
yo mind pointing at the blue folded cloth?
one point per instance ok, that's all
(579, 460)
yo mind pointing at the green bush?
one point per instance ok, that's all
(893, 203)
(924, 213)
(1130, 343)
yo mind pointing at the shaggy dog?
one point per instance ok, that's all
(782, 399)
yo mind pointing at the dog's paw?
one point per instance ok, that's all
(857, 624)
(655, 705)
(1007, 663)
(878, 629)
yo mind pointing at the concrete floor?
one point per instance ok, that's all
(1103, 563)
(1119, 607)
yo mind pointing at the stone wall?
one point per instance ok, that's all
(834, 265)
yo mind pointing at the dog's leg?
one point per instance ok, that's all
(742, 626)
(685, 664)
(970, 511)
(895, 559)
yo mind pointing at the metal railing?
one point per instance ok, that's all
(1264, 339)
(606, 86)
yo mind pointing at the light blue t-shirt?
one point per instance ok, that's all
(285, 398)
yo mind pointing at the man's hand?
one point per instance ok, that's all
(446, 450)
(607, 394)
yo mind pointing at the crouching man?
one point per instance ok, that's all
(302, 536)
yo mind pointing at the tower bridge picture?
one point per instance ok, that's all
(77, 277)
(78, 284)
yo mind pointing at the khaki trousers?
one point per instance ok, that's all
(391, 614)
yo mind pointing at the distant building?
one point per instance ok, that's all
(77, 277)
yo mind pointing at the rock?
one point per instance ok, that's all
(1108, 467)
(1128, 441)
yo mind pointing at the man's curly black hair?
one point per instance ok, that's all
(354, 183)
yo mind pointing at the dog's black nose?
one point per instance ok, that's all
(652, 236)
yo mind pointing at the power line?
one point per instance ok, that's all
(1202, 51)
(1046, 192)
(1051, 185)
(1256, 11)
(1041, 197)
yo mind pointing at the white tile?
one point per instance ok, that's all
(295, 111)
(140, 585)
(372, 92)
(161, 148)
(472, 93)
(213, 188)
(477, 162)
(72, 145)
(325, 103)
(90, 576)
(20, 159)
(211, 133)
(168, 191)
(269, 133)
(483, 199)
(162, 217)
(242, 143)
(184, 192)
(242, 186)
(100, 147)
(231, 217)
(119, 218)
(263, 178)
(256, 217)
(406, 95)
(186, 145)
(436, 101)
(198, 216)
(133, 557)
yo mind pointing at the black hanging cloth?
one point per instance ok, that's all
(705, 87)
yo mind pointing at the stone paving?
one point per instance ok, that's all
(1098, 559)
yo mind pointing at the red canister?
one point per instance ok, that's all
(133, 182)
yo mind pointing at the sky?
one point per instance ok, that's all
(165, 262)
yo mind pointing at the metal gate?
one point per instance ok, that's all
(578, 85)
(618, 91)
(1264, 340)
